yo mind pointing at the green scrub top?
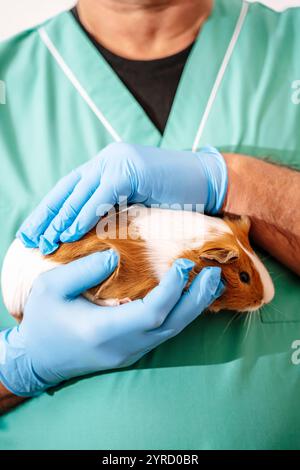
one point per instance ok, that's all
(223, 383)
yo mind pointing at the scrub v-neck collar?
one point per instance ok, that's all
(108, 97)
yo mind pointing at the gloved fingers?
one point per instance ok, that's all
(72, 279)
(154, 339)
(38, 221)
(148, 342)
(205, 288)
(162, 299)
(149, 313)
(151, 341)
(217, 178)
(82, 192)
(165, 296)
(103, 199)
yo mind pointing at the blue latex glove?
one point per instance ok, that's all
(63, 335)
(143, 174)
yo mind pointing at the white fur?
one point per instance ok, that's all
(21, 267)
(170, 232)
(265, 277)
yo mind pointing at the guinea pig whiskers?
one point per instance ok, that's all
(248, 322)
(229, 323)
(275, 309)
(264, 258)
(278, 276)
(266, 336)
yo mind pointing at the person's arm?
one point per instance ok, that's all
(270, 195)
(8, 400)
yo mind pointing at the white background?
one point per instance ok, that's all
(16, 15)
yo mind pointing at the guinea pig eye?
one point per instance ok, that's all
(244, 277)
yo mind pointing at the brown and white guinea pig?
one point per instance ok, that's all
(148, 241)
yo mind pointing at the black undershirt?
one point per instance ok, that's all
(152, 82)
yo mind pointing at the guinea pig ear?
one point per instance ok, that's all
(221, 255)
(243, 222)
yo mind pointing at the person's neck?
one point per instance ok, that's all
(144, 29)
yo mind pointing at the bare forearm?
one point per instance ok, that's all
(8, 400)
(270, 195)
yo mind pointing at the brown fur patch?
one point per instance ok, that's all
(134, 277)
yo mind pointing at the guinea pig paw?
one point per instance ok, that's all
(113, 302)
(124, 301)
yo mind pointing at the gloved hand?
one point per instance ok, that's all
(142, 174)
(63, 335)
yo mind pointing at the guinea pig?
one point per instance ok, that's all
(148, 240)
